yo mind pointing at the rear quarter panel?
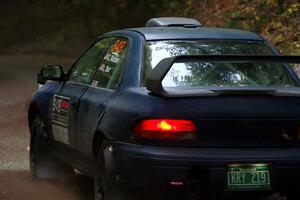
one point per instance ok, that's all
(126, 109)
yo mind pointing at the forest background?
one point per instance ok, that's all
(67, 27)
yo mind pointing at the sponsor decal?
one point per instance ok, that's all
(114, 58)
(60, 134)
(107, 56)
(61, 104)
(65, 105)
(60, 118)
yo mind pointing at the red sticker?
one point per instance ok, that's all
(65, 105)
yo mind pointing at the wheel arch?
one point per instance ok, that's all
(98, 138)
(33, 112)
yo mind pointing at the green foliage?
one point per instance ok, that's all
(277, 20)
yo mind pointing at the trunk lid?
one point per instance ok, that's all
(241, 120)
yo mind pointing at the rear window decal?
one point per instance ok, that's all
(102, 67)
(105, 68)
(114, 58)
(107, 56)
(119, 46)
(94, 83)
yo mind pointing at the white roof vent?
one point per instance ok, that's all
(173, 21)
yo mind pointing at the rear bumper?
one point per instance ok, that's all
(147, 164)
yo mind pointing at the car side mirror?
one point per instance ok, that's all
(51, 72)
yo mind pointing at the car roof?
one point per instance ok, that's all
(174, 33)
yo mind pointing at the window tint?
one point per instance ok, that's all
(84, 69)
(109, 72)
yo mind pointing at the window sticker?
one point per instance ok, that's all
(108, 69)
(102, 67)
(114, 58)
(105, 68)
(119, 46)
(95, 83)
(107, 56)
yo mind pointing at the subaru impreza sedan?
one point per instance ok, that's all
(173, 105)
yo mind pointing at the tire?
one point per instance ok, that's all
(42, 163)
(105, 178)
(106, 185)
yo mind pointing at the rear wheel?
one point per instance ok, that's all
(42, 163)
(106, 185)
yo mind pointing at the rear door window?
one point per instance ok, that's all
(84, 69)
(110, 69)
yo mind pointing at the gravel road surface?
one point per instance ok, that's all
(17, 83)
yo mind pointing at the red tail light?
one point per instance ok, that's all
(168, 129)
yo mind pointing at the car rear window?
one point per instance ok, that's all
(216, 74)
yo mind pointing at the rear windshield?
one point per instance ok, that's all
(216, 74)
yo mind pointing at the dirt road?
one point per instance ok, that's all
(17, 83)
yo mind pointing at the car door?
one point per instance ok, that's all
(97, 96)
(67, 99)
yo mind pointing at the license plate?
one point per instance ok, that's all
(248, 176)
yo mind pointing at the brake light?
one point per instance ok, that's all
(168, 129)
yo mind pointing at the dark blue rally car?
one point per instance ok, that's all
(171, 105)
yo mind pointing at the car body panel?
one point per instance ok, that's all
(150, 165)
(175, 33)
(92, 108)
